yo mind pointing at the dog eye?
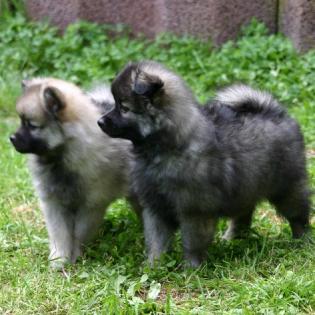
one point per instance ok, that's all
(32, 125)
(124, 109)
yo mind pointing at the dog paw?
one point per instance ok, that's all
(58, 263)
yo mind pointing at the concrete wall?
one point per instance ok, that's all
(297, 21)
(219, 20)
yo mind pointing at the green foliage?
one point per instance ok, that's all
(86, 52)
(265, 274)
(10, 8)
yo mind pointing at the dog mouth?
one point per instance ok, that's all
(18, 145)
(36, 146)
(109, 127)
(127, 131)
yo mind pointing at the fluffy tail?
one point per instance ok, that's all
(245, 99)
(102, 97)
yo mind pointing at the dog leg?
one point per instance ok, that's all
(295, 207)
(59, 224)
(238, 227)
(135, 204)
(197, 234)
(87, 224)
(158, 235)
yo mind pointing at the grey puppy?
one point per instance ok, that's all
(77, 170)
(197, 164)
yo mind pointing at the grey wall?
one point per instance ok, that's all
(219, 20)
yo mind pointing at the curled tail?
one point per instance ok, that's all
(244, 99)
(102, 97)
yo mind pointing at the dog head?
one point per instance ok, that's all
(43, 110)
(148, 97)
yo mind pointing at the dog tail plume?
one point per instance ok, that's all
(245, 99)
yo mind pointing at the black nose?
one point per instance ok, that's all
(101, 122)
(12, 138)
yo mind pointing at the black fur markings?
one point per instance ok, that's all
(61, 183)
(25, 142)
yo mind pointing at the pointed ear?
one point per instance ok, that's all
(146, 84)
(28, 82)
(25, 83)
(53, 99)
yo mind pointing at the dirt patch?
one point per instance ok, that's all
(28, 213)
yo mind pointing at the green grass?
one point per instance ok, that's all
(265, 274)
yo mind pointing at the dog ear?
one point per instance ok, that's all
(53, 99)
(28, 82)
(146, 85)
(24, 84)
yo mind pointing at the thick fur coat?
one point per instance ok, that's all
(196, 164)
(77, 170)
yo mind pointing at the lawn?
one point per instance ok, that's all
(268, 273)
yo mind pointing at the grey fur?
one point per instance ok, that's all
(102, 97)
(197, 164)
(81, 172)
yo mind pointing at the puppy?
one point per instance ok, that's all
(77, 170)
(197, 164)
